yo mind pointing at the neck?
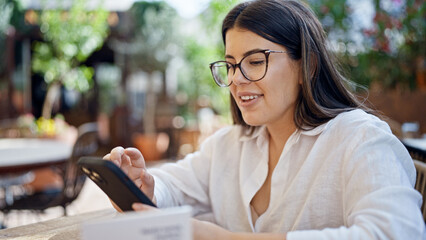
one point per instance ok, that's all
(278, 138)
(279, 134)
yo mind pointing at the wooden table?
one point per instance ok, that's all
(62, 228)
(23, 154)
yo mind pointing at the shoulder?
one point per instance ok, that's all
(357, 132)
(358, 123)
(366, 138)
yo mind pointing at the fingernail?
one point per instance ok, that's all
(116, 163)
(137, 206)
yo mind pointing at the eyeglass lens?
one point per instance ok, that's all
(253, 68)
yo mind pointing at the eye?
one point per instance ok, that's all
(257, 62)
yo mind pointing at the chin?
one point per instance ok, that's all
(253, 122)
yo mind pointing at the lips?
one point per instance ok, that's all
(248, 97)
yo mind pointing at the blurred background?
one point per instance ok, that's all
(140, 68)
(78, 77)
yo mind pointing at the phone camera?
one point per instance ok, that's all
(94, 176)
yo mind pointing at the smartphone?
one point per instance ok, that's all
(114, 182)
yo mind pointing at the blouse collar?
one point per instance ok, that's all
(262, 133)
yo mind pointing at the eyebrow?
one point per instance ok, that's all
(246, 53)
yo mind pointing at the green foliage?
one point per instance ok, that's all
(140, 11)
(396, 45)
(389, 52)
(154, 35)
(6, 10)
(17, 19)
(70, 37)
(202, 49)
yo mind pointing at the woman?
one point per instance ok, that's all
(303, 160)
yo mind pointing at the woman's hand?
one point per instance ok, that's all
(131, 161)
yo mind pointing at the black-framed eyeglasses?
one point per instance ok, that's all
(253, 67)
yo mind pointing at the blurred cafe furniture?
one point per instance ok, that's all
(417, 149)
(22, 154)
(7, 182)
(72, 178)
(421, 183)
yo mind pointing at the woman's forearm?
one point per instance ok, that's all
(257, 236)
(205, 230)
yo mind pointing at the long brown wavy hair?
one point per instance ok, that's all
(293, 24)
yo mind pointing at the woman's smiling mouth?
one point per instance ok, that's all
(247, 99)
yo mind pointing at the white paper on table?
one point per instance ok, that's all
(165, 224)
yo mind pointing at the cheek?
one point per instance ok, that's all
(284, 90)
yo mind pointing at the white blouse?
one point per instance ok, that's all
(347, 179)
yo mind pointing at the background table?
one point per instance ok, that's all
(416, 147)
(23, 154)
(419, 143)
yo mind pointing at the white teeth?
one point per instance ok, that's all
(245, 98)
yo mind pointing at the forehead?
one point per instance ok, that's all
(240, 41)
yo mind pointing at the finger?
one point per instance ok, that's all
(126, 165)
(138, 207)
(144, 179)
(107, 157)
(116, 155)
(148, 179)
(142, 207)
(136, 157)
(147, 183)
(125, 160)
(140, 176)
(115, 206)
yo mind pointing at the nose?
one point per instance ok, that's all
(238, 77)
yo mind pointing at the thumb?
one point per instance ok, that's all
(142, 207)
(138, 206)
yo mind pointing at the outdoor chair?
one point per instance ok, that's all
(421, 183)
(73, 177)
(419, 159)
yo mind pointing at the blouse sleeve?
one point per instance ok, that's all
(379, 199)
(186, 182)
